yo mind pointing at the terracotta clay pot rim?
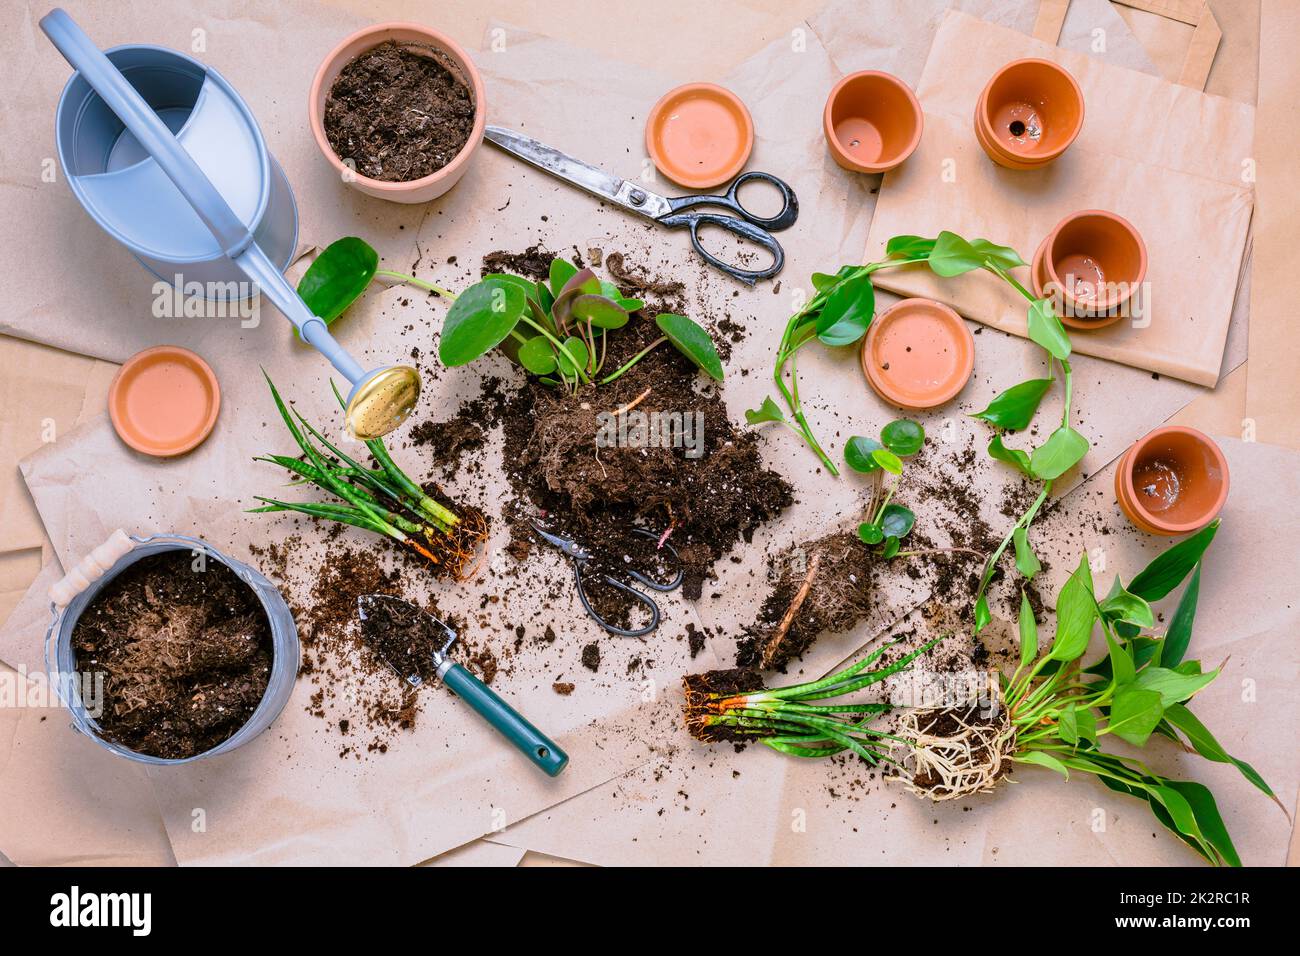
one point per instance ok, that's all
(715, 178)
(1039, 286)
(436, 39)
(986, 128)
(182, 354)
(1118, 304)
(828, 128)
(939, 398)
(1124, 481)
(1003, 159)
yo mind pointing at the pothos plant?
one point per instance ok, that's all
(1057, 713)
(888, 523)
(556, 329)
(841, 311)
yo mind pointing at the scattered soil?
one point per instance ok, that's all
(533, 263)
(399, 112)
(702, 690)
(820, 587)
(186, 654)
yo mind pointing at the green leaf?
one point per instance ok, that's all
(1205, 744)
(896, 521)
(1172, 686)
(858, 453)
(1122, 668)
(1012, 456)
(821, 281)
(903, 437)
(1027, 562)
(578, 349)
(480, 318)
(1028, 626)
(561, 273)
(631, 305)
(1085, 723)
(909, 247)
(890, 549)
(339, 274)
(870, 533)
(1002, 256)
(1044, 760)
(1122, 605)
(1208, 820)
(1169, 568)
(1046, 329)
(529, 288)
(769, 411)
(848, 311)
(1134, 713)
(599, 311)
(1179, 635)
(1180, 812)
(952, 255)
(1063, 450)
(692, 341)
(1014, 409)
(1067, 726)
(537, 355)
(1076, 612)
(982, 615)
(887, 460)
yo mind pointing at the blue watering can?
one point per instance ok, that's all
(169, 161)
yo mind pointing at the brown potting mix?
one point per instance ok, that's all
(186, 654)
(403, 636)
(399, 112)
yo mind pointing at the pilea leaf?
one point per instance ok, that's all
(338, 276)
(903, 437)
(480, 319)
(692, 341)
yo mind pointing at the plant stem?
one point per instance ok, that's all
(633, 360)
(418, 283)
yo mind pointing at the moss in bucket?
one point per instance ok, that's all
(185, 650)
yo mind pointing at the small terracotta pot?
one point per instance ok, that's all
(872, 122)
(699, 135)
(1028, 114)
(918, 354)
(415, 190)
(1172, 481)
(1097, 260)
(1041, 283)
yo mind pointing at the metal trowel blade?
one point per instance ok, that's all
(417, 617)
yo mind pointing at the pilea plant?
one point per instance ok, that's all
(733, 705)
(841, 311)
(1056, 713)
(556, 330)
(382, 499)
(888, 523)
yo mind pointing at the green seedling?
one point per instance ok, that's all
(889, 523)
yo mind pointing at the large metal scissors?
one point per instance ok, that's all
(582, 565)
(671, 211)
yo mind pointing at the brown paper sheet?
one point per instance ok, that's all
(1182, 189)
(183, 497)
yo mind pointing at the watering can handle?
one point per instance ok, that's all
(106, 80)
(91, 568)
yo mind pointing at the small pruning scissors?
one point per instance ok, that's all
(665, 210)
(582, 565)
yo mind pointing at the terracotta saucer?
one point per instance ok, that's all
(164, 401)
(699, 135)
(918, 354)
(1038, 276)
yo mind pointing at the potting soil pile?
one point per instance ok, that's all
(357, 769)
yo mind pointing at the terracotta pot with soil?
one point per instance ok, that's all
(872, 122)
(1172, 481)
(168, 650)
(1028, 114)
(398, 110)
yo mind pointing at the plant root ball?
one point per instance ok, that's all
(955, 752)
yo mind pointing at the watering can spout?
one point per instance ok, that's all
(380, 399)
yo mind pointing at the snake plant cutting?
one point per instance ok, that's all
(557, 330)
(382, 499)
(1057, 713)
(840, 313)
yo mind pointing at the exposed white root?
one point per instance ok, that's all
(948, 767)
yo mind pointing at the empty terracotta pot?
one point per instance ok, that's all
(1173, 481)
(1097, 261)
(872, 122)
(1028, 114)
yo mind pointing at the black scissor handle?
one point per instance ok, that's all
(731, 200)
(643, 599)
(664, 586)
(739, 227)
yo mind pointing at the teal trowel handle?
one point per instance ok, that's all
(530, 741)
